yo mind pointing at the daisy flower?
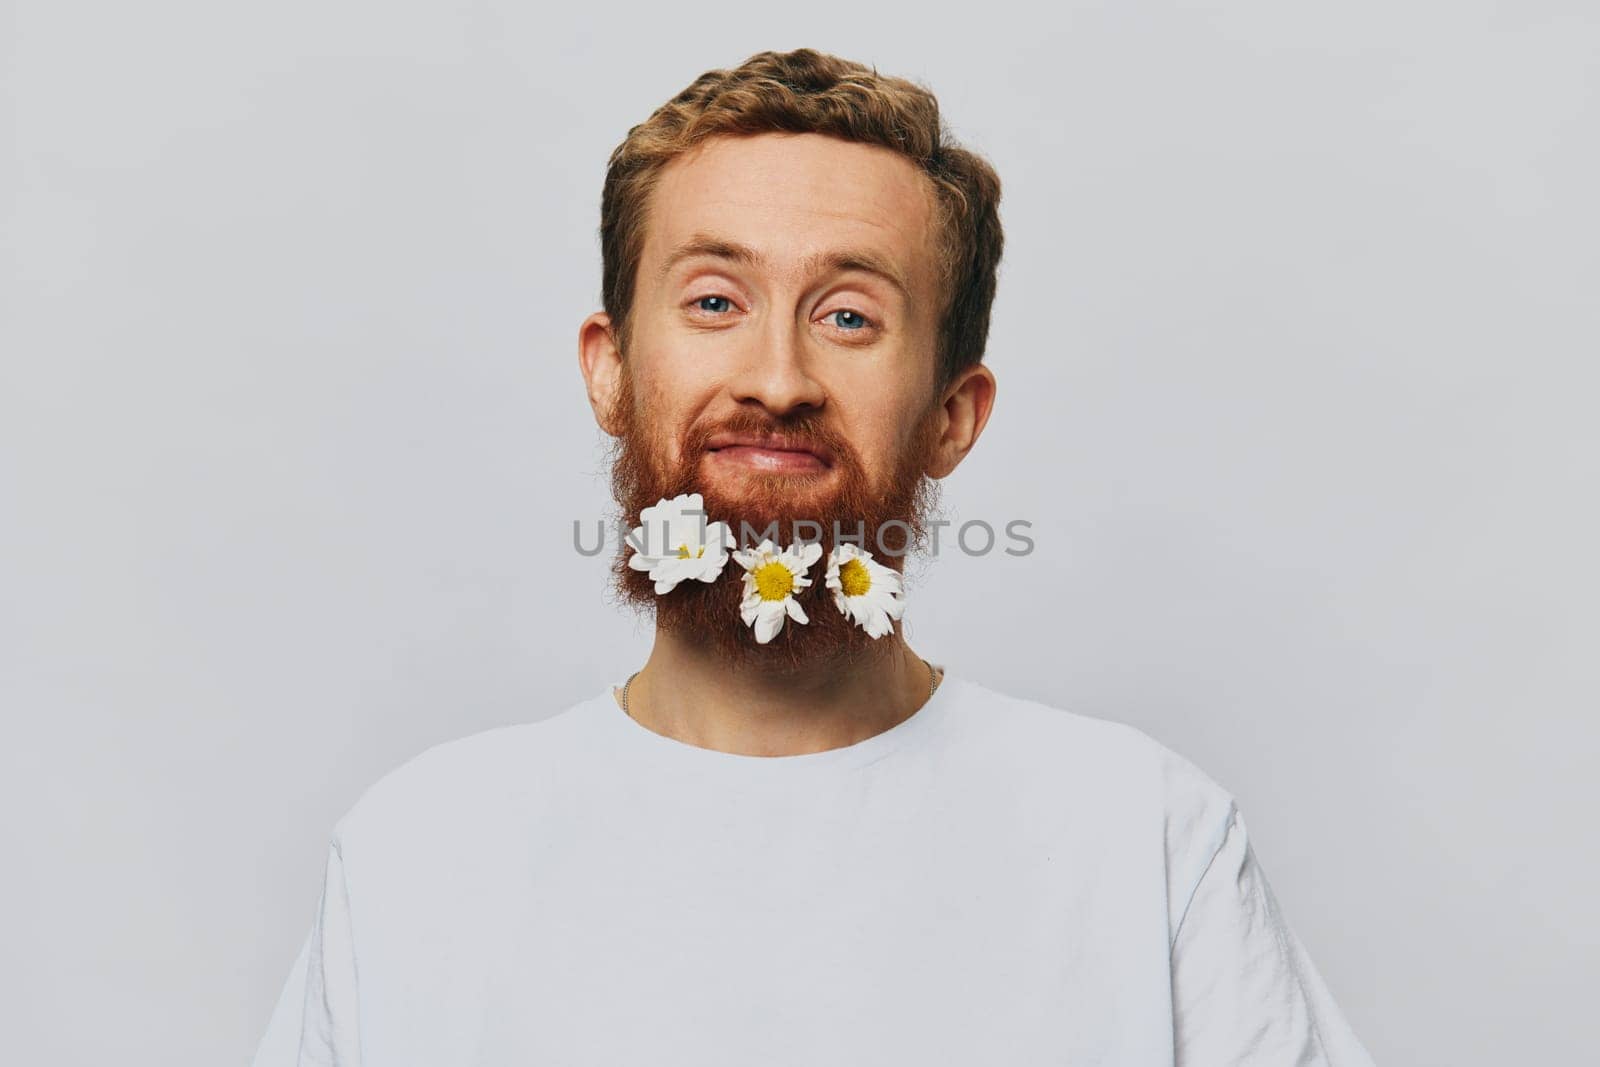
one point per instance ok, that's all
(675, 544)
(771, 579)
(865, 590)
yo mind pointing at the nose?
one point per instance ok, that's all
(776, 374)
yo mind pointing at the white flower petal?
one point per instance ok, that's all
(719, 536)
(670, 569)
(767, 626)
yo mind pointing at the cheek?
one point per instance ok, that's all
(878, 440)
(667, 402)
(671, 366)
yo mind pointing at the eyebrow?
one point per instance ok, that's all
(833, 261)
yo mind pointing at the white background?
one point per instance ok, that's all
(1295, 341)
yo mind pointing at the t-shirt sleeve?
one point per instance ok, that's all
(1245, 991)
(315, 1022)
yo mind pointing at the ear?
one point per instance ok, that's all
(600, 360)
(967, 403)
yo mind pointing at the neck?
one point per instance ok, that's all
(687, 692)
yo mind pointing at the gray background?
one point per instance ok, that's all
(1295, 343)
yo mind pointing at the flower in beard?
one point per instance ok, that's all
(771, 579)
(674, 543)
(646, 467)
(864, 590)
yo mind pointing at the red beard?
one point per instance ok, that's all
(840, 500)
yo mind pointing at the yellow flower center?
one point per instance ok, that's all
(854, 577)
(773, 581)
(683, 551)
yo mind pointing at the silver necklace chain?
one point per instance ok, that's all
(934, 678)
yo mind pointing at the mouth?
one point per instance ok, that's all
(769, 452)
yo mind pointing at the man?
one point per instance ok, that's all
(787, 837)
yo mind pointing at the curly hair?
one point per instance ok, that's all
(805, 91)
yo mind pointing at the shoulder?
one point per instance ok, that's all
(1059, 738)
(452, 789)
(1137, 783)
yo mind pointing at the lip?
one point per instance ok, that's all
(770, 451)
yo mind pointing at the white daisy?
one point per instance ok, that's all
(865, 590)
(771, 578)
(675, 543)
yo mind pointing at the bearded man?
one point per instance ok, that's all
(787, 837)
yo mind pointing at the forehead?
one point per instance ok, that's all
(791, 196)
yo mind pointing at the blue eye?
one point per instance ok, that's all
(703, 299)
(861, 319)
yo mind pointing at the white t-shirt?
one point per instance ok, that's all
(991, 881)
